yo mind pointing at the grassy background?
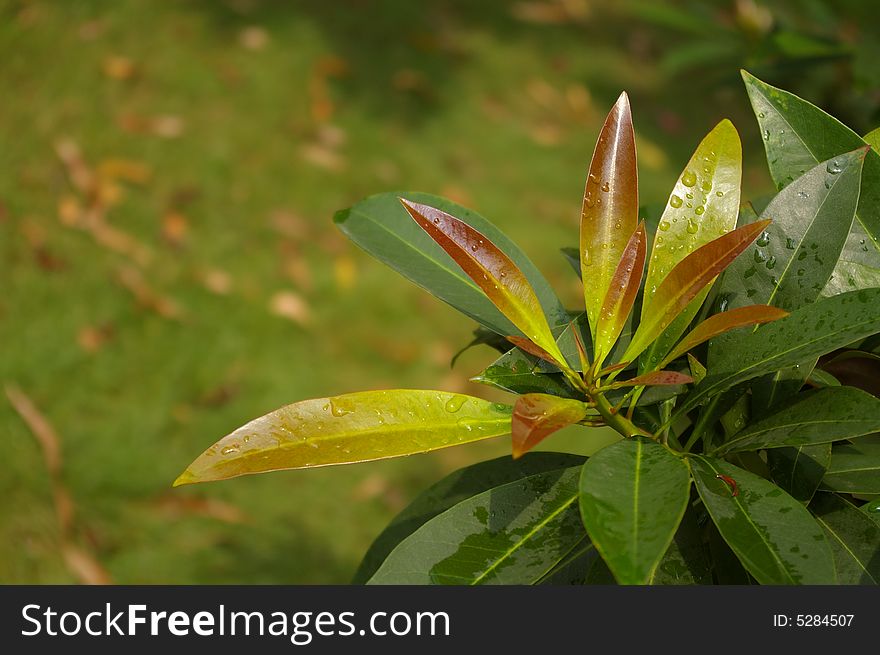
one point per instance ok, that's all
(221, 137)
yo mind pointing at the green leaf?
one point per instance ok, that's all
(854, 469)
(704, 205)
(799, 135)
(355, 427)
(633, 495)
(872, 510)
(854, 538)
(512, 534)
(799, 471)
(520, 373)
(685, 561)
(772, 534)
(574, 568)
(492, 270)
(610, 209)
(536, 416)
(814, 417)
(872, 138)
(381, 226)
(684, 282)
(808, 332)
(794, 258)
(451, 490)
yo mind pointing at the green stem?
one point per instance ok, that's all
(703, 421)
(616, 420)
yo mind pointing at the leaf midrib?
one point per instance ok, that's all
(754, 526)
(833, 533)
(725, 448)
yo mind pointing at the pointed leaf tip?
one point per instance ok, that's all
(536, 416)
(491, 270)
(609, 214)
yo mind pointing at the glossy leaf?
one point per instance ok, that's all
(536, 416)
(633, 495)
(355, 427)
(808, 332)
(611, 206)
(772, 534)
(854, 469)
(799, 470)
(690, 276)
(799, 135)
(720, 323)
(621, 294)
(384, 229)
(518, 372)
(872, 510)
(698, 371)
(491, 269)
(451, 490)
(656, 378)
(854, 538)
(703, 206)
(814, 417)
(685, 561)
(872, 138)
(511, 534)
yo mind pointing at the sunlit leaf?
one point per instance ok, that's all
(536, 416)
(633, 495)
(721, 323)
(511, 534)
(354, 427)
(797, 136)
(703, 206)
(772, 534)
(383, 228)
(872, 138)
(698, 371)
(690, 276)
(656, 378)
(808, 332)
(854, 538)
(610, 208)
(491, 270)
(450, 491)
(814, 417)
(621, 294)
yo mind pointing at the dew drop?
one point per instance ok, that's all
(689, 178)
(803, 194)
(789, 243)
(771, 262)
(719, 193)
(834, 167)
(760, 256)
(455, 403)
(692, 227)
(706, 185)
(764, 239)
(766, 134)
(229, 450)
(606, 187)
(675, 201)
(664, 225)
(699, 210)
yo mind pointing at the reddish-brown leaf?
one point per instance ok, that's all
(491, 270)
(656, 378)
(536, 416)
(621, 294)
(686, 280)
(720, 323)
(610, 210)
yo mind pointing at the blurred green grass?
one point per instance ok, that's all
(255, 121)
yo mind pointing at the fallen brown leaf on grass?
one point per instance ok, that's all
(127, 170)
(92, 338)
(217, 281)
(133, 280)
(120, 68)
(177, 506)
(81, 564)
(290, 306)
(253, 38)
(175, 228)
(167, 126)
